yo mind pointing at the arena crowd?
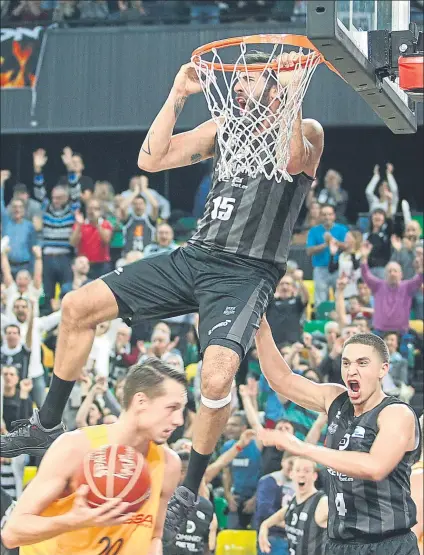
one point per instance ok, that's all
(367, 276)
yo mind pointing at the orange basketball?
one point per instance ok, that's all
(116, 471)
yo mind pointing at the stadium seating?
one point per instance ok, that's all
(29, 474)
(314, 325)
(322, 312)
(417, 326)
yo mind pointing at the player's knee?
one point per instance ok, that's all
(219, 368)
(74, 310)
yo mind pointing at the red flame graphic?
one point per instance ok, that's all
(22, 55)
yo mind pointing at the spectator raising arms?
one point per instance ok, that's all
(139, 230)
(58, 219)
(286, 310)
(392, 296)
(333, 194)
(319, 239)
(74, 165)
(381, 229)
(347, 264)
(23, 286)
(91, 238)
(388, 195)
(21, 232)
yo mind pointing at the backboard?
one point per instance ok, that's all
(340, 29)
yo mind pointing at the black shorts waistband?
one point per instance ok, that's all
(372, 538)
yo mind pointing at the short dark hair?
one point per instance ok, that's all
(243, 418)
(379, 211)
(326, 205)
(12, 326)
(148, 377)
(20, 188)
(259, 57)
(387, 333)
(371, 340)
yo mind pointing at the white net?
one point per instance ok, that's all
(255, 138)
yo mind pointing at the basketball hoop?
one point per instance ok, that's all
(255, 139)
(411, 78)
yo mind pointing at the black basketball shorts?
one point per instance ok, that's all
(405, 544)
(230, 293)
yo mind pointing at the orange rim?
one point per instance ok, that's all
(295, 40)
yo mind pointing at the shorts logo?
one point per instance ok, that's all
(220, 325)
(229, 310)
(119, 270)
(359, 432)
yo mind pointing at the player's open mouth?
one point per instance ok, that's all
(241, 102)
(354, 389)
(301, 484)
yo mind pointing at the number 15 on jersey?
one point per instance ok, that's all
(222, 208)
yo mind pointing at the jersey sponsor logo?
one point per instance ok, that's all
(332, 428)
(238, 183)
(200, 515)
(344, 442)
(339, 475)
(339, 412)
(220, 325)
(359, 432)
(119, 270)
(191, 527)
(229, 310)
(141, 519)
(303, 516)
(242, 463)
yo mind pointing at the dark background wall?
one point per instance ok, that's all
(104, 79)
(113, 156)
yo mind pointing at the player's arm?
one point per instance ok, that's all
(277, 519)
(161, 150)
(417, 492)
(321, 512)
(226, 458)
(170, 482)
(282, 380)
(26, 526)
(396, 435)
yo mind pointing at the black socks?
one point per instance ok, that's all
(196, 469)
(54, 405)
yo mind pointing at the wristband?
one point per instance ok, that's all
(238, 448)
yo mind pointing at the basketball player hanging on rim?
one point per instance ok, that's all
(372, 442)
(52, 516)
(228, 272)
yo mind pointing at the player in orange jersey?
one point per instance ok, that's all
(52, 518)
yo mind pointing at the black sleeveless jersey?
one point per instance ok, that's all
(304, 535)
(195, 536)
(252, 217)
(362, 509)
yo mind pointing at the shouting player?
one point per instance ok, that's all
(228, 271)
(50, 519)
(304, 517)
(372, 442)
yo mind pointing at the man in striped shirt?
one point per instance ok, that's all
(58, 219)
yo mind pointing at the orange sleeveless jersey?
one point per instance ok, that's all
(127, 539)
(419, 466)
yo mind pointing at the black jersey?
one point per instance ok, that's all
(362, 509)
(252, 217)
(195, 536)
(304, 535)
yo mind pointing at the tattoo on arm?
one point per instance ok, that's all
(196, 158)
(178, 106)
(148, 151)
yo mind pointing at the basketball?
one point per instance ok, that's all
(115, 471)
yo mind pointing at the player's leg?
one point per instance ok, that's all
(155, 287)
(232, 300)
